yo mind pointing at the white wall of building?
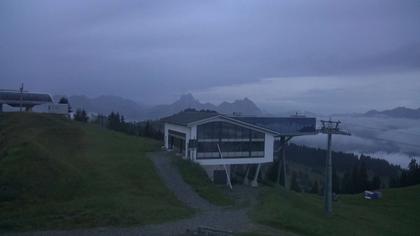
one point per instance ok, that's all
(193, 152)
(7, 108)
(53, 108)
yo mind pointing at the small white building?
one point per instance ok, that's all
(12, 101)
(217, 141)
(54, 108)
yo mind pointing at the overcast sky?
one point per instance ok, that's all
(321, 56)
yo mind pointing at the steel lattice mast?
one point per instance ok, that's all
(329, 127)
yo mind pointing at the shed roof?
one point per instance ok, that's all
(186, 117)
(13, 98)
(276, 125)
(284, 125)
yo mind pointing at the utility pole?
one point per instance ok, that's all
(21, 97)
(329, 127)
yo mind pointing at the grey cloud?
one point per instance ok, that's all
(394, 140)
(135, 48)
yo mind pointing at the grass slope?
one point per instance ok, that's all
(398, 213)
(194, 175)
(56, 173)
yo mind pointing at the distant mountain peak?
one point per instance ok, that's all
(187, 97)
(105, 104)
(188, 101)
(243, 106)
(398, 112)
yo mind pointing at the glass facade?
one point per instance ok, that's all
(234, 141)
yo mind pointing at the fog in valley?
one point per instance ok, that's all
(392, 139)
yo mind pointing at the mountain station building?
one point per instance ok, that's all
(218, 141)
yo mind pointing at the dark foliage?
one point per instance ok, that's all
(81, 116)
(295, 185)
(115, 121)
(63, 100)
(335, 182)
(408, 177)
(357, 180)
(315, 158)
(351, 174)
(315, 188)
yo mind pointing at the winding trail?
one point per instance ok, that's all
(174, 182)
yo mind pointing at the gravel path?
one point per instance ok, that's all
(228, 219)
(174, 182)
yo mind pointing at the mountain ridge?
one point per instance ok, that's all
(132, 110)
(398, 112)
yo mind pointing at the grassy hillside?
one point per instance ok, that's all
(195, 175)
(397, 213)
(56, 173)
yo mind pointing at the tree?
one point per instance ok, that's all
(346, 183)
(375, 183)
(294, 185)
(410, 176)
(414, 172)
(114, 121)
(100, 120)
(147, 130)
(81, 115)
(412, 166)
(315, 187)
(335, 182)
(394, 182)
(363, 177)
(355, 180)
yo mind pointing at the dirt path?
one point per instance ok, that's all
(174, 182)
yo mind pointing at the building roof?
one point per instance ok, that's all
(13, 98)
(186, 117)
(283, 125)
(276, 125)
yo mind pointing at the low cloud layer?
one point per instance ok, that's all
(395, 140)
(325, 94)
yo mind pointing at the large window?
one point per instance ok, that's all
(234, 141)
(225, 130)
